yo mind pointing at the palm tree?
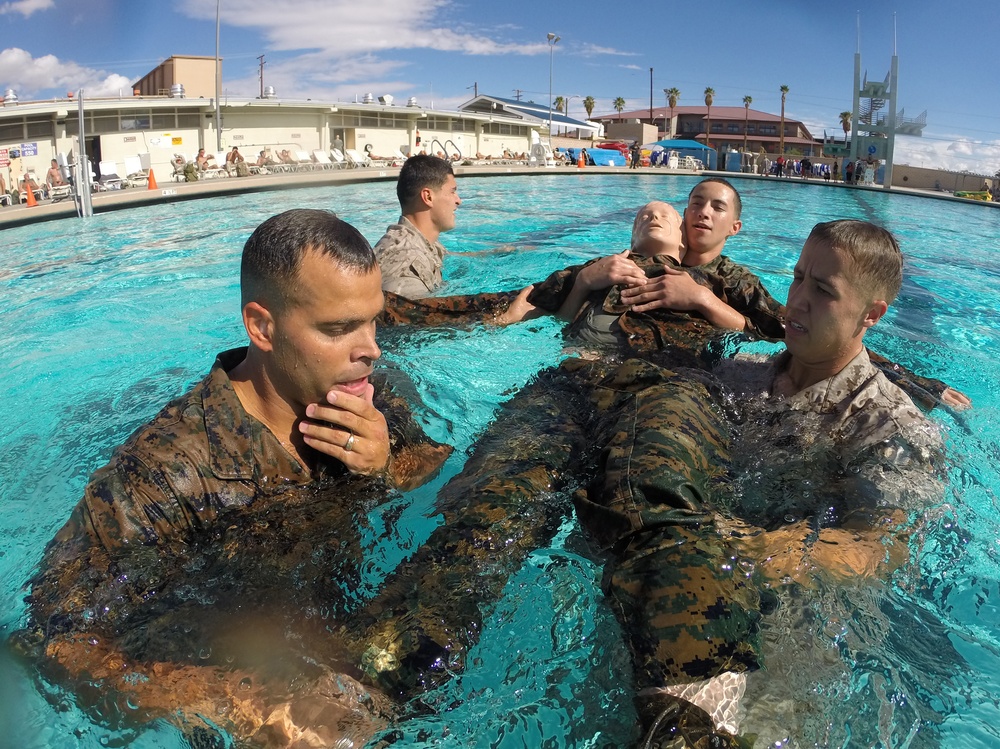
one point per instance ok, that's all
(747, 101)
(558, 103)
(845, 122)
(781, 135)
(709, 98)
(673, 94)
(619, 105)
(589, 105)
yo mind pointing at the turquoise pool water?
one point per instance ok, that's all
(108, 319)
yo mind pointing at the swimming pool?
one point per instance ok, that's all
(108, 319)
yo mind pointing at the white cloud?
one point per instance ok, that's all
(342, 28)
(954, 153)
(26, 7)
(593, 49)
(29, 75)
(346, 46)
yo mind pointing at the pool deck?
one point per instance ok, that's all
(169, 191)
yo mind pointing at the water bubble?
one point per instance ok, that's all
(245, 684)
(205, 653)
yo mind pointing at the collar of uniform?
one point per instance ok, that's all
(236, 440)
(436, 247)
(827, 395)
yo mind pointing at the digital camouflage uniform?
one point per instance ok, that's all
(641, 445)
(410, 263)
(203, 526)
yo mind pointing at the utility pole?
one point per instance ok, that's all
(650, 96)
(261, 75)
(474, 87)
(517, 94)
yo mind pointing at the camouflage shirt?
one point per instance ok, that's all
(200, 464)
(729, 281)
(841, 449)
(410, 263)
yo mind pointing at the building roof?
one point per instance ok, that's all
(526, 110)
(718, 113)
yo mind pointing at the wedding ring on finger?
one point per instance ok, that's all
(349, 445)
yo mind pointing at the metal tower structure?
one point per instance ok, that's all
(875, 122)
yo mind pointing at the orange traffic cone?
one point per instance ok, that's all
(31, 196)
(151, 181)
(581, 162)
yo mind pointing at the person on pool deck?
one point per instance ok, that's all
(409, 253)
(284, 438)
(53, 177)
(653, 451)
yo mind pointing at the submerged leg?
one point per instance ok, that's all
(687, 612)
(508, 500)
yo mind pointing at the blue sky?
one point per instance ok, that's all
(438, 50)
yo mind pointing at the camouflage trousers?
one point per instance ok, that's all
(639, 450)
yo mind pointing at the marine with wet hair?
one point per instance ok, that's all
(409, 254)
(179, 585)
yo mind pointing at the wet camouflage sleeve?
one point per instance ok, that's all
(924, 391)
(447, 310)
(745, 292)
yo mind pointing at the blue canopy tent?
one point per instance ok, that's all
(707, 155)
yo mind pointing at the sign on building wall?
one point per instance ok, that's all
(4, 157)
(29, 149)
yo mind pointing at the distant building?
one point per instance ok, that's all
(535, 114)
(168, 123)
(195, 74)
(728, 124)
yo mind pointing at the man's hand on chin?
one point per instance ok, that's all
(350, 429)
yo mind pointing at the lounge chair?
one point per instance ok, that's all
(135, 175)
(216, 166)
(178, 162)
(58, 192)
(39, 192)
(323, 160)
(355, 159)
(304, 161)
(109, 179)
(283, 166)
(5, 199)
(339, 161)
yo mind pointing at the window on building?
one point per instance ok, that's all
(163, 121)
(189, 119)
(12, 131)
(104, 123)
(135, 120)
(40, 129)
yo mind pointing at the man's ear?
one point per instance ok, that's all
(875, 312)
(426, 197)
(737, 225)
(259, 324)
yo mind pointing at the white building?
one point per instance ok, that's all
(33, 133)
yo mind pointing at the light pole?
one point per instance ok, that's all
(218, 83)
(553, 40)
